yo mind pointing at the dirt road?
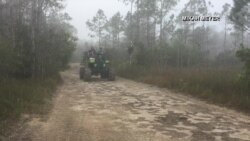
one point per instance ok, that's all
(128, 111)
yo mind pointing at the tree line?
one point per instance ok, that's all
(36, 39)
(157, 24)
(153, 33)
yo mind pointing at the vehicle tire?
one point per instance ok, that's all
(103, 76)
(111, 75)
(81, 73)
(87, 75)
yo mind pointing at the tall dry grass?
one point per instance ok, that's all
(221, 86)
(25, 96)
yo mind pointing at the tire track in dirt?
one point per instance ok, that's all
(129, 111)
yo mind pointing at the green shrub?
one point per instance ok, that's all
(244, 55)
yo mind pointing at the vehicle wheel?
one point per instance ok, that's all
(102, 76)
(81, 72)
(87, 74)
(111, 75)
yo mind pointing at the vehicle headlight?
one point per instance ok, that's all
(92, 60)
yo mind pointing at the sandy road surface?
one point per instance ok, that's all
(128, 111)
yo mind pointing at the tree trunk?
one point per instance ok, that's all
(33, 34)
(161, 20)
(147, 34)
(13, 26)
(131, 20)
(118, 40)
(138, 20)
(154, 34)
(225, 36)
(242, 35)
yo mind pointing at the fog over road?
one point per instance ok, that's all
(129, 111)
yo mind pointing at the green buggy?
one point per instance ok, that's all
(96, 65)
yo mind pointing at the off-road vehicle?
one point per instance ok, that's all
(96, 65)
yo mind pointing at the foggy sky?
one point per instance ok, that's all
(82, 10)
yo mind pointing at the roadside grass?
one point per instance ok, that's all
(24, 97)
(219, 86)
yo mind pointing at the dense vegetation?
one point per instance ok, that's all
(36, 42)
(154, 45)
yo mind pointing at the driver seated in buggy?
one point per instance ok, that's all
(96, 63)
(92, 53)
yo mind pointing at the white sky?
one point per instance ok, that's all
(82, 10)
